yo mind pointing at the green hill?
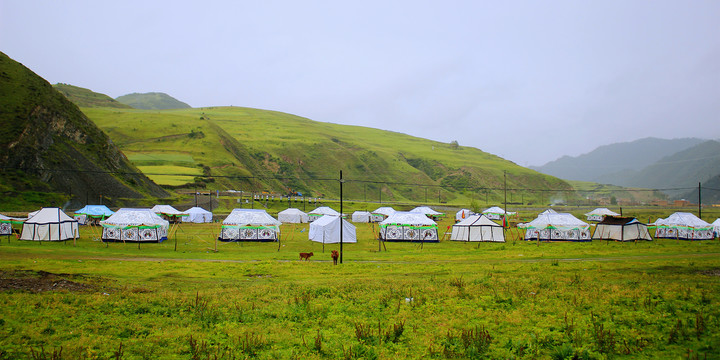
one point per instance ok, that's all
(152, 101)
(50, 152)
(260, 150)
(86, 98)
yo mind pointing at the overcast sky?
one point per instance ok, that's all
(526, 80)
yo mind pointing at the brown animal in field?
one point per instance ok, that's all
(305, 256)
(335, 255)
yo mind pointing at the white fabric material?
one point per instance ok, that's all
(293, 216)
(477, 228)
(250, 217)
(463, 214)
(408, 218)
(633, 230)
(683, 225)
(600, 213)
(136, 225)
(496, 213)
(381, 213)
(320, 211)
(166, 210)
(50, 224)
(716, 227)
(197, 215)
(92, 211)
(134, 217)
(556, 226)
(548, 211)
(425, 210)
(326, 230)
(361, 216)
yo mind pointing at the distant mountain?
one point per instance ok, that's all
(152, 101)
(86, 98)
(615, 163)
(710, 192)
(684, 169)
(50, 151)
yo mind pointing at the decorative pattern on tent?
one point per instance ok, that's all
(134, 225)
(381, 213)
(6, 224)
(168, 213)
(408, 226)
(683, 226)
(553, 226)
(249, 225)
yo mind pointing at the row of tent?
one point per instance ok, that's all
(258, 225)
(94, 213)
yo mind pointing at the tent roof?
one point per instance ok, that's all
(425, 210)
(95, 210)
(385, 210)
(477, 220)
(49, 216)
(292, 211)
(408, 218)
(548, 211)
(716, 222)
(7, 218)
(684, 219)
(361, 212)
(496, 210)
(196, 210)
(324, 210)
(250, 217)
(166, 209)
(602, 211)
(617, 220)
(555, 220)
(134, 217)
(326, 229)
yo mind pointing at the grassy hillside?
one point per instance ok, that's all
(87, 98)
(152, 101)
(259, 150)
(50, 152)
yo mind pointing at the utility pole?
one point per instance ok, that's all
(341, 219)
(699, 200)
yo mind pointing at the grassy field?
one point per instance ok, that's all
(182, 299)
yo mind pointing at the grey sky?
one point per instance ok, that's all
(526, 80)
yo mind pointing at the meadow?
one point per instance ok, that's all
(192, 297)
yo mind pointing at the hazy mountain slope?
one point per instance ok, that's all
(615, 162)
(152, 101)
(683, 169)
(86, 98)
(710, 192)
(255, 150)
(47, 145)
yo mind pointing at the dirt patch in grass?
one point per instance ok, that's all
(41, 281)
(711, 272)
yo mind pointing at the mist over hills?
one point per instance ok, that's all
(52, 152)
(152, 101)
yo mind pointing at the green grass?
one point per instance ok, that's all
(243, 142)
(449, 300)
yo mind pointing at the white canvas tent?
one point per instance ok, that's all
(599, 214)
(477, 228)
(134, 225)
(463, 214)
(361, 216)
(326, 230)
(716, 227)
(50, 224)
(168, 212)
(250, 225)
(320, 211)
(496, 213)
(292, 216)
(554, 226)
(621, 229)
(197, 215)
(428, 212)
(683, 226)
(92, 212)
(408, 226)
(381, 213)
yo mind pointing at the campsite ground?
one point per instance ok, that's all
(519, 299)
